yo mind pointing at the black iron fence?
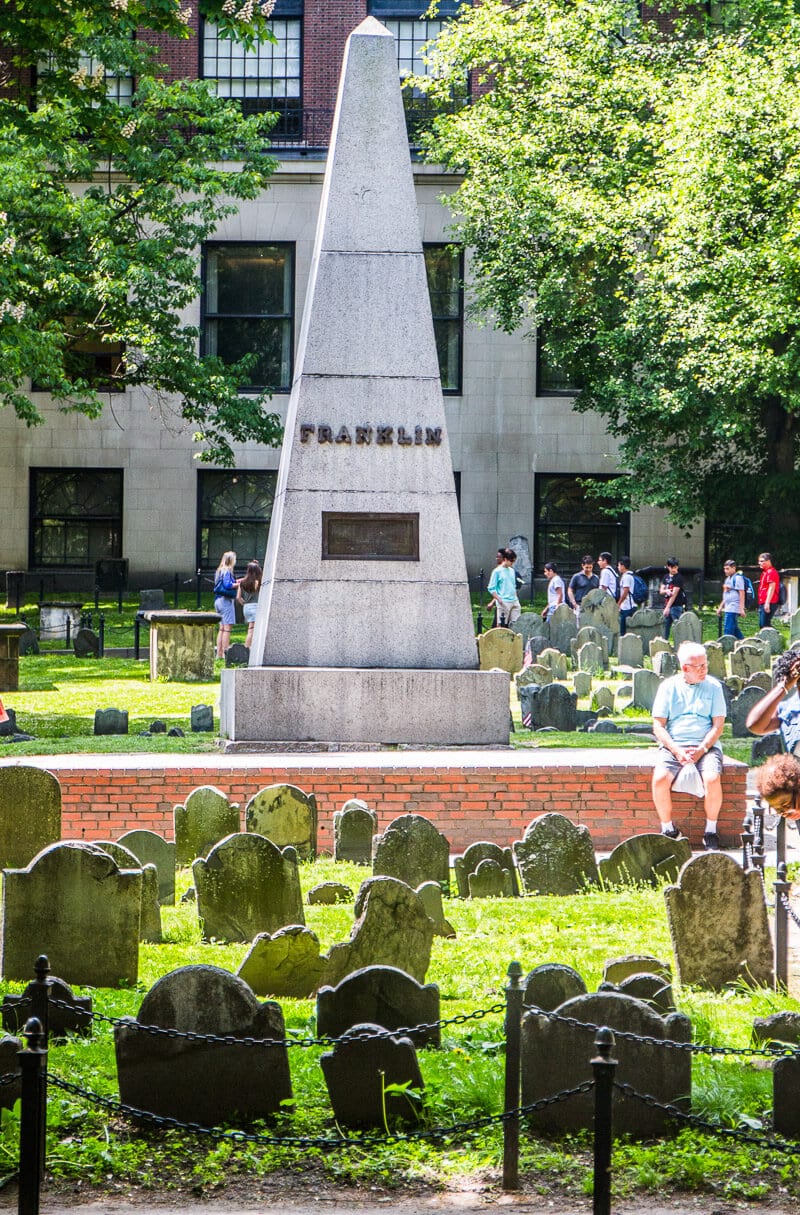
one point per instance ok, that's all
(36, 1081)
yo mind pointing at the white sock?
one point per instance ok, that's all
(711, 828)
(665, 827)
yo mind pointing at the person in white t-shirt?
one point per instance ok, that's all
(555, 589)
(732, 602)
(625, 601)
(608, 579)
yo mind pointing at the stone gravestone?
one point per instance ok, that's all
(110, 721)
(531, 627)
(617, 970)
(785, 1106)
(783, 1026)
(353, 828)
(761, 680)
(366, 474)
(555, 856)
(718, 924)
(772, 638)
(287, 816)
(588, 632)
(412, 850)
(556, 1056)
(152, 849)
(11, 1090)
(748, 657)
(581, 684)
(430, 894)
(650, 858)
(659, 646)
(358, 1072)
(652, 990)
(203, 820)
(500, 649)
(740, 709)
(194, 1081)
(603, 698)
(794, 626)
(763, 747)
(287, 963)
(490, 881)
(327, 894)
(557, 662)
(665, 664)
(86, 644)
(552, 706)
(30, 816)
(237, 655)
(536, 673)
(28, 642)
(563, 628)
(689, 627)
(391, 929)
(384, 995)
(247, 885)
(716, 660)
(66, 1012)
(551, 984)
(150, 918)
(523, 566)
(202, 719)
(599, 610)
(152, 600)
(629, 650)
(590, 658)
(648, 623)
(469, 861)
(645, 686)
(75, 905)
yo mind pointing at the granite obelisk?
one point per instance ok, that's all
(364, 622)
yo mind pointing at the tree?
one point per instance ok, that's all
(634, 190)
(105, 202)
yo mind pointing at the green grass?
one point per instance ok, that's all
(463, 1080)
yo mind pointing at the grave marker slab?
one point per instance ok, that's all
(552, 984)
(412, 850)
(247, 885)
(391, 928)
(555, 856)
(287, 963)
(500, 649)
(30, 814)
(201, 822)
(353, 828)
(469, 861)
(650, 858)
(358, 1070)
(152, 849)
(287, 816)
(385, 996)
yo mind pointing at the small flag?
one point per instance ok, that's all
(527, 658)
(526, 720)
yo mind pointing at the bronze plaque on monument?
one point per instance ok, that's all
(369, 536)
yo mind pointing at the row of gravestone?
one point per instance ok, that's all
(115, 721)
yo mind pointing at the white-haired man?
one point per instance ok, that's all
(688, 717)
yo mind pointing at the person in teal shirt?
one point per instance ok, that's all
(503, 589)
(688, 717)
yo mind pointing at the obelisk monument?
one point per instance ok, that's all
(364, 630)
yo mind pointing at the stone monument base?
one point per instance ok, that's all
(355, 705)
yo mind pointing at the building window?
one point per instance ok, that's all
(445, 268)
(88, 358)
(234, 510)
(248, 307)
(266, 77)
(554, 379)
(75, 516)
(118, 88)
(569, 523)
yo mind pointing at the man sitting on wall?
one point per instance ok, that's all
(688, 716)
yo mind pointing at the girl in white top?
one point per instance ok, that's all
(555, 589)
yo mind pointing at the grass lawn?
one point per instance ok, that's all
(464, 1079)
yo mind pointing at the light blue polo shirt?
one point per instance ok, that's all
(503, 583)
(689, 707)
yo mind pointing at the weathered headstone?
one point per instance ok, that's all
(551, 984)
(748, 657)
(489, 881)
(530, 626)
(587, 632)
(785, 1104)
(53, 907)
(652, 989)
(645, 686)
(666, 664)
(617, 970)
(718, 923)
(761, 680)
(763, 747)
(202, 719)
(555, 856)
(555, 1056)
(28, 642)
(603, 697)
(30, 814)
(391, 929)
(195, 1081)
(734, 684)
(716, 660)
(152, 600)
(86, 644)
(553, 705)
(327, 894)
(728, 643)
(581, 683)
(550, 657)
(431, 895)
(287, 816)
(66, 1012)
(563, 628)
(152, 849)
(782, 1026)
(523, 567)
(740, 710)
(237, 655)
(648, 623)
(245, 886)
(11, 1091)
(353, 828)
(385, 995)
(629, 650)
(599, 609)
(536, 673)
(285, 964)
(658, 645)
(590, 658)
(412, 850)
(772, 638)
(202, 821)
(794, 626)
(689, 627)
(647, 858)
(111, 721)
(360, 1069)
(469, 861)
(500, 650)
(150, 919)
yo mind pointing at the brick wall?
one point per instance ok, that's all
(493, 800)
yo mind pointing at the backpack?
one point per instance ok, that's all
(640, 591)
(749, 592)
(781, 593)
(227, 592)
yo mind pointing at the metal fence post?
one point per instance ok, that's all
(781, 888)
(32, 1119)
(102, 636)
(780, 841)
(758, 833)
(604, 1068)
(199, 581)
(747, 845)
(67, 630)
(513, 1032)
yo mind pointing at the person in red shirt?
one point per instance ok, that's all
(769, 591)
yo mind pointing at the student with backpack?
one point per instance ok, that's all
(732, 602)
(769, 591)
(608, 579)
(625, 600)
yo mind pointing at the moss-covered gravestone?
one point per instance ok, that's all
(287, 816)
(30, 815)
(556, 856)
(414, 851)
(202, 821)
(245, 886)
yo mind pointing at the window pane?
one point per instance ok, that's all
(444, 268)
(76, 516)
(234, 512)
(248, 307)
(570, 523)
(266, 70)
